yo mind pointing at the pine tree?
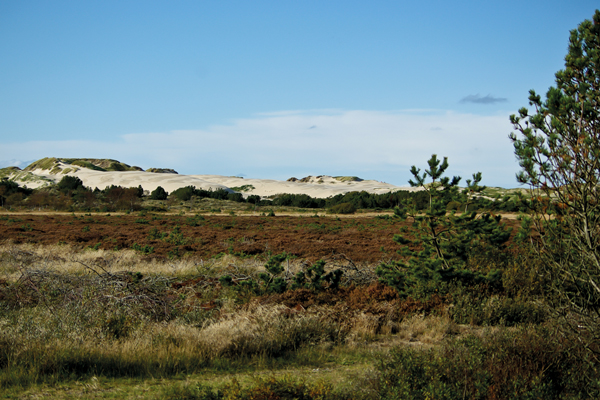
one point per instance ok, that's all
(439, 246)
(558, 148)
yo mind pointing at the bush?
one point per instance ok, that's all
(69, 183)
(343, 208)
(184, 193)
(272, 387)
(159, 194)
(525, 363)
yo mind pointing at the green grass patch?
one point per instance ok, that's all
(243, 188)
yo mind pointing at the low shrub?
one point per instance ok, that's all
(159, 194)
(342, 208)
(523, 363)
(479, 309)
(272, 387)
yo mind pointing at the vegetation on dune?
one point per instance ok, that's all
(52, 163)
(46, 163)
(162, 170)
(243, 188)
(93, 200)
(347, 178)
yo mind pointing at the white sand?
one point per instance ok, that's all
(320, 187)
(329, 187)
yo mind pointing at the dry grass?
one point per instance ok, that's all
(70, 314)
(432, 329)
(68, 260)
(15, 259)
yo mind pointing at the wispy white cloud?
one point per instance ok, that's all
(371, 144)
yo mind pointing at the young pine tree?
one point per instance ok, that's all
(438, 248)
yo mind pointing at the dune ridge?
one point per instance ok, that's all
(93, 174)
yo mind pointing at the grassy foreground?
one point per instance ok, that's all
(110, 324)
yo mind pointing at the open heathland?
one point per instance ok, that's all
(443, 299)
(175, 306)
(364, 239)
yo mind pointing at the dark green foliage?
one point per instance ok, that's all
(69, 183)
(298, 200)
(558, 148)
(367, 200)
(95, 247)
(270, 281)
(274, 264)
(159, 194)
(226, 280)
(143, 249)
(299, 280)
(333, 278)
(358, 200)
(174, 253)
(176, 237)
(273, 282)
(442, 242)
(154, 234)
(186, 193)
(219, 194)
(120, 198)
(253, 199)
(342, 208)
(315, 275)
(315, 278)
(10, 188)
(237, 197)
(84, 164)
(194, 221)
(522, 364)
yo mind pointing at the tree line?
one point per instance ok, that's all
(70, 194)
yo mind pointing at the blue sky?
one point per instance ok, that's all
(274, 89)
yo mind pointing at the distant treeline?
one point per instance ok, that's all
(70, 194)
(365, 200)
(358, 200)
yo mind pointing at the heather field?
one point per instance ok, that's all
(148, 305)
(159, 235)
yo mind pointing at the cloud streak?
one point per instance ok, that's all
(477, 99)
(370, 144)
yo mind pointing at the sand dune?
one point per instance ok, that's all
(316, 186)
(329, 186)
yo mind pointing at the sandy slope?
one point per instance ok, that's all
(322, 186)
(328, 187)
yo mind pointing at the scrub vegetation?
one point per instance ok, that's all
(455, 302)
